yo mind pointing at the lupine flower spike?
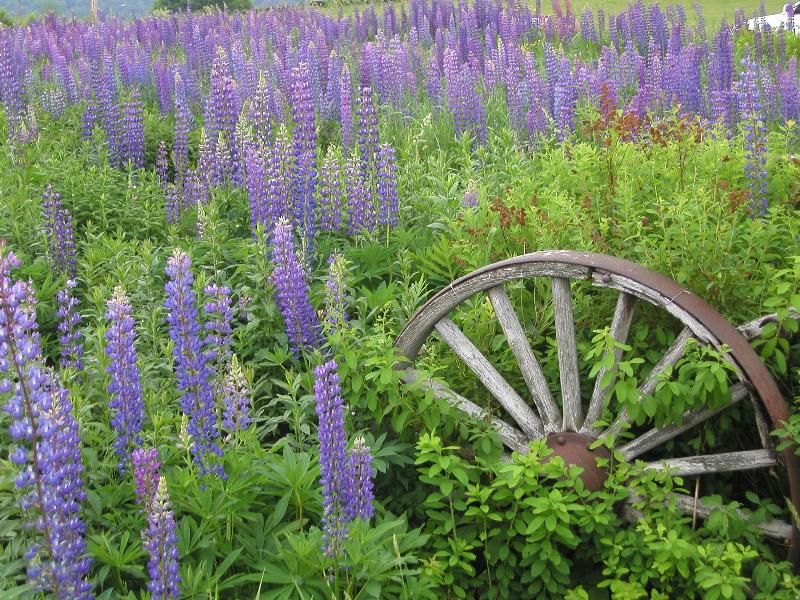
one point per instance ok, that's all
(69, 335)
(124, 386)
(333, 460)
(192, 364)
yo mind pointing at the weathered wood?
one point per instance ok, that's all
(620, 326)
(512, 437)
(672, 355)
(657, 436)
(640, 290)
(529, 366)
(716, 463)
(490, 378)
(420, 326)
(753, 329)
(686, 504)
(567, 355)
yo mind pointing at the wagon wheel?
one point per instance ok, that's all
(568, 429)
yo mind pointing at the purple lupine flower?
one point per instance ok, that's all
(222, 112)
(162, 164)
(256, 185)
(387, 185)
(132, 146)
(172, 203)
(565, 97)
(161, 542)
(48, 453)
(10, 88)
(51, 206)
(261, 110)
(470, 199)
(145, 476)
(751, 107)
(221, 166)
(361, 216)
(124, 386)
(335, 295)
(292, 292)
(330, 192)
(183, 116)
(333, 460)
(69, 336)
(359, 501)
(192, 364)
(367, 132)
(236, 401)
(63, 243)
(219, 314)
(60, 232)
(304, 148)
(278, 168)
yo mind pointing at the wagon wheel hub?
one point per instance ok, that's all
(576, 449)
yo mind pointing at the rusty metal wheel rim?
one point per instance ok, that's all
(702, 320)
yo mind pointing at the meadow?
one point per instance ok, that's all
(215, 227)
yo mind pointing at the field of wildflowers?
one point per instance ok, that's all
(214, 225)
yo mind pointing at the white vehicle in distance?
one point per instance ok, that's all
(775, 21)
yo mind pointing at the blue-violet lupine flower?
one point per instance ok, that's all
(69, 336)
(161, 542)
(333, 459)
(360, 464)
(145, 475)
(218, 324)
(124, 386)
(470, 199)
(330, 192)
(192, 366)
(236, 401)
(50, 466)
(162, 164)
(292, 291)
(751, 107)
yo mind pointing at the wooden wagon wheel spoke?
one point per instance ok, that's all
(620, 326)
(657, 436)
(672, 355)
(509, 435)
(777, 529)
(528, 365)
(563, 428)
(490, 378)
(567, 356)
(744, 460)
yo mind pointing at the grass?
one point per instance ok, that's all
(714, 11)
